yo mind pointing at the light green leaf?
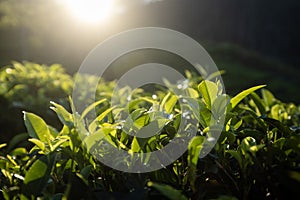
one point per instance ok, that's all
(38, 143)
(219, 106)
(93, 125)
(238, 98)
(2, 145)
(247, 143)
(99, 135)
(137, 144)
(209, 91)
(91, 107)
(37, 127)
(19, 152)
(169, 105)
(275, 111)
(56, 145)
(151, 129)
(268, 97)
(133, 104)
(215, 74)
(164, 100)
(141, 121)
(64, 116)
(194, 148)
(192, 93)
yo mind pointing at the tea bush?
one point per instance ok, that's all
(30, 87)
(257, 155)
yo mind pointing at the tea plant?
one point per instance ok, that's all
(29, 86)
(256, 155)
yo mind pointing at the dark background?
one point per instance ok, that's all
(255, 41)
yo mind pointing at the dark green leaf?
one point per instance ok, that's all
(168, 191)
(38, 175)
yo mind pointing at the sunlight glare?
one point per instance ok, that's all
(91, 10)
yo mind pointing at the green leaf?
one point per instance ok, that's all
(268, 97)
(219, 106)
(19, 152)
(215, 75)
(58, 144)
(38, 143)
(257, 118)
(84, 180)
(93, 125)
(209, 91)
(286, 131)
(16, 140)
(85, 172)
(64, 116)
(37, 127)
(171, 103)
(294, 175)
(164, 100)
(237, 156)
(238, 98)
(247, 143)
(151, 129)
(38, 176)
(192, 93)
(2, 145)
(142, 121)
(259, 103)
(225, 197)
(168, 191)
(227, 136)
(99, 135)
(91, 107)
(138, 144)
(280, 143)
(134, 103)
(194, 148)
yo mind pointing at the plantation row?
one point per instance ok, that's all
(257, 155)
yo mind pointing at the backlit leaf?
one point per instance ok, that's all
(209, 91)
(239, 97)
(37, 127)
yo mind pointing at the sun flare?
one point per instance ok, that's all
(91, 10)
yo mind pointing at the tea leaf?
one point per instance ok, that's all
(38, 175)
(37, 127)
(209, 91)
(194, 148)
(64, 116)
(238, 98)
(168, 191)
(38, 143)
(91, 107)
(268, 97)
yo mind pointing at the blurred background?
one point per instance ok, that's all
(254, 41)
